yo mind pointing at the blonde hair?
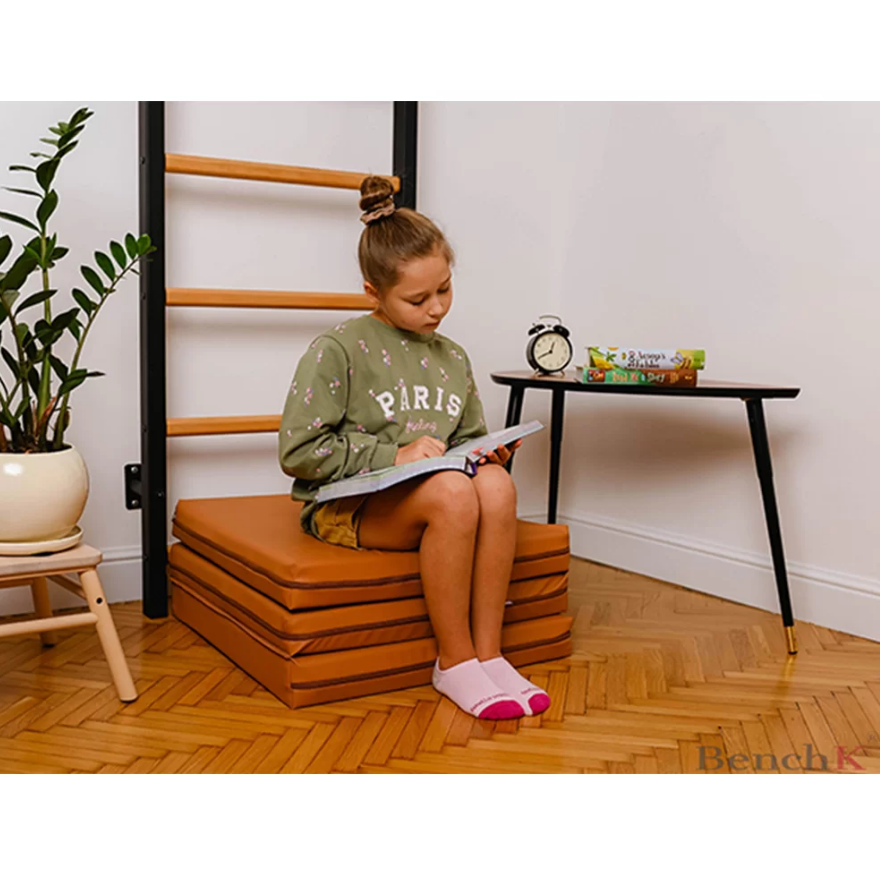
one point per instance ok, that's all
(393, 236)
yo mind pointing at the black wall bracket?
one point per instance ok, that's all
(133, 486)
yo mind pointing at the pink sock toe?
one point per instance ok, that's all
(539, 703)
(503, 710)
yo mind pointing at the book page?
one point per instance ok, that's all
(488, 442)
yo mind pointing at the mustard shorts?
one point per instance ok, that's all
(337, 521)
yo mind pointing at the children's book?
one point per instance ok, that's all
(645, 358)
(617, 376)
(463, 457)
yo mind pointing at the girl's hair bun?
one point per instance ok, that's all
(377, 198)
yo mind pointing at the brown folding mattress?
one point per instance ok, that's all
(259, 541)
(275, 611)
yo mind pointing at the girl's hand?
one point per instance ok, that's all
(423, 447)
(499, 455)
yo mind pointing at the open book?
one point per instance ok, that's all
(463, 457)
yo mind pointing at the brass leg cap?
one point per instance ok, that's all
(791, 639)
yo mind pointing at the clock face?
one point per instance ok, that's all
(552, 351)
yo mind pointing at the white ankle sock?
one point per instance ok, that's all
(473, 691)
(532, 699)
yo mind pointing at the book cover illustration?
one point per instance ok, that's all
(461, 457)
(646, 358)
(617, 376)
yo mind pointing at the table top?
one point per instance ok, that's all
(704, 388)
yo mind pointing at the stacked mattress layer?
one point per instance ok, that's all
(313, 622)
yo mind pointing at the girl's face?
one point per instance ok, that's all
(421, 298)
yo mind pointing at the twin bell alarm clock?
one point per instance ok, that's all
(549, 348)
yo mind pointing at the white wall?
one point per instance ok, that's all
(97, 187)
(750, 230)
(738, 227)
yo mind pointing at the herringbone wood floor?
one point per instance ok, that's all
(657, 673)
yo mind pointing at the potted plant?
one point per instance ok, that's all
(43, 479)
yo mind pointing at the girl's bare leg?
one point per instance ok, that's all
(493, 559)
(439, 514)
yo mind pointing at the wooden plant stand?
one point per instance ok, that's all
(82, 560)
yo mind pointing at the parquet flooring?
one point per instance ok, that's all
(662, 680)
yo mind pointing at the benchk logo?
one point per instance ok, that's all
(711, 759)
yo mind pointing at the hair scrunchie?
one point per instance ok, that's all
(374, 214)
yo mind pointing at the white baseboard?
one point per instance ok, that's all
(832, 599)
(120, 576)
(829, 598)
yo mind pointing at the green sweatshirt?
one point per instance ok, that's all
(364, 389)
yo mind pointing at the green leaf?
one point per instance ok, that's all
(32, 253)
(58, 366)
(64, 320)
(93, 278)
(50, 141)
(106, 265)
(17, 275)
(75, 328)
(47, 207)
(84, 302)
(16, 219)
(143, 244)
(69, 135)
(118, 254)
(66, 149)
(11, 362)
(131, 245)
(34, 380)
(46, 173)
(58, 253)
(74, 380)
(5, 247)
(40, 155)
(34, 299)
(80, 116)
(22, 168)
(92, 373)
(24, 192)
(8, 298)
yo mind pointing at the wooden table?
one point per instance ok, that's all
(752, 395)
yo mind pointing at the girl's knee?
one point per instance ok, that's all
(452, 493)
(495, 488)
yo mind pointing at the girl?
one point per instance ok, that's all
(385, 389)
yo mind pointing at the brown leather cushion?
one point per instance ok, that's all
(313, 631)
(306, 680)
(258, 540)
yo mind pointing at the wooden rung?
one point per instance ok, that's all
(265, 299)
(68, 584)
(44, 624)
(194, 427)
(238, 170)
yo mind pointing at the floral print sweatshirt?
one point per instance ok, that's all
(364, 389)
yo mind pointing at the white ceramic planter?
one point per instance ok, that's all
(42, 495)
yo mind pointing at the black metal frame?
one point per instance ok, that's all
(146, 482)
(754, 408)
(154, 424)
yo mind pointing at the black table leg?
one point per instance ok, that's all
(514, 410)
(761, 447)
(557, 409)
